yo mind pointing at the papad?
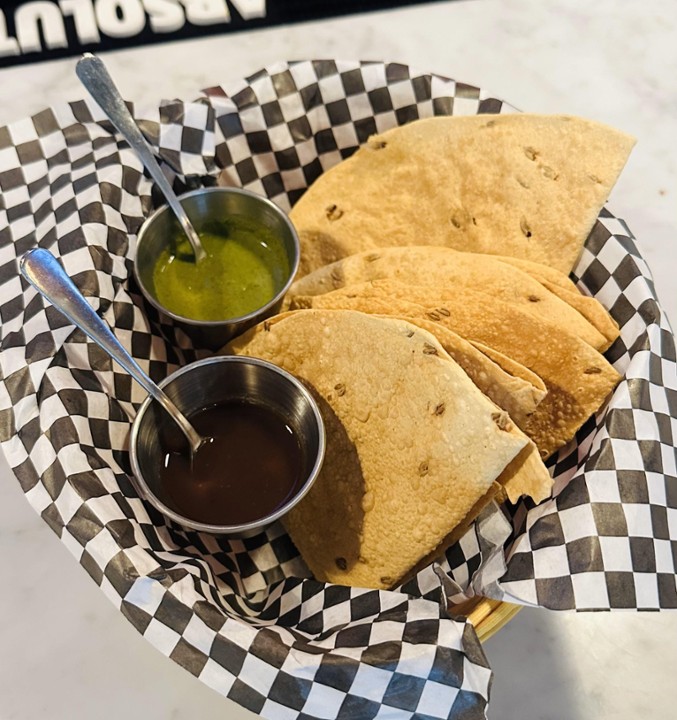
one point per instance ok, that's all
(412, 444)
(440, 268)
(523, 185)
(577, 377)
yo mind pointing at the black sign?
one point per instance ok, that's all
(48, 29)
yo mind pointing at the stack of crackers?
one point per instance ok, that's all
(435, 322)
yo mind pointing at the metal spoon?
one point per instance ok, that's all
(94, 76)
(46, 275)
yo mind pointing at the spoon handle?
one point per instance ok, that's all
(46, 275)
(96, 79)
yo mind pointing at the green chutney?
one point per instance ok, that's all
(245, 267)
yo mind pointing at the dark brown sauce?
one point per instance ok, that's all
(249, 469)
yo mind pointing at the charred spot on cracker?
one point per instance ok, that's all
(502, 420)
(423, 468)
(534, 298)
(340, 389)
(524, 227)
(531, 153)
(341, 563)
(333, 212)
(387, 580)
(429, 349)
(444, 311)
(592, 371)
(460, 218)
(433, 315)
(549, 172)
(375, 143)
(439, 409)
(266, 325)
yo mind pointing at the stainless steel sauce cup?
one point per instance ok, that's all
(204, 206)
(219, 380)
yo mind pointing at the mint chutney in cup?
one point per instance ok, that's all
(252, 257)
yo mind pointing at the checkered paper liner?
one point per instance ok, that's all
(244, 615)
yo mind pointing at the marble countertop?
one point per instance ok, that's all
(67, 653)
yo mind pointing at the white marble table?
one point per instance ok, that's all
(65, 651)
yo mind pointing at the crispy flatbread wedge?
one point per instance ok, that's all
(510, 385)
(515, 389)
(412, 444)
(577, 377)
(440, 268)
(495, 493)
(523, 185)
(560, 284)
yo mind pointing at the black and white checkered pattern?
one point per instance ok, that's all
(243, 615)
(608, 539)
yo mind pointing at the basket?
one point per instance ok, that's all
(489, 616)
(243, 616)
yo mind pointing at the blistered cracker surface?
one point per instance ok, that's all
(440, 267)
(577, 377)
(529, 186)
(518, 396)
(412, 444)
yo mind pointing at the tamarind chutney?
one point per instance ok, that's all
(250, 467)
